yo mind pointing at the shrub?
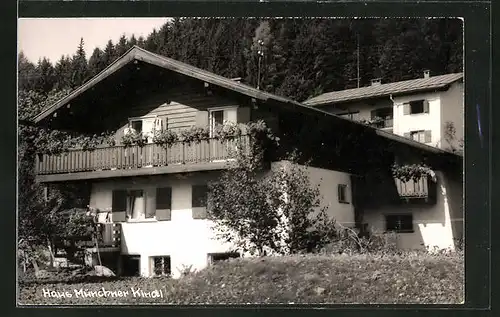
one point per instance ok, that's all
(194, 134)
(165, 138)
(134, 138)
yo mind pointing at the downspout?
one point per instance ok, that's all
(393, 114)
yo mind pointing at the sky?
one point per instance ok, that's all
(53, 38)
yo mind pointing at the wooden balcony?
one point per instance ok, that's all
(422, 189)
(108, 236)
(116, 161)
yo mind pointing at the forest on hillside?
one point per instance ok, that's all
(301, 58)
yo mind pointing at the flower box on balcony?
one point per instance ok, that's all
(420, 189)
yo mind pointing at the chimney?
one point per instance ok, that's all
(376, 81)
(427, 73)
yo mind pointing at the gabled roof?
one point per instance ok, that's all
(138, 54)
(383, 90)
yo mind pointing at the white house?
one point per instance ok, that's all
(152, 200)
(420, 109)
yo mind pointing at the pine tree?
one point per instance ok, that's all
(27, 73)
(63, 73)
(122, 46)
(131, 42)
(45, 76)
(96, 62)
(79, 66)
(109, 55)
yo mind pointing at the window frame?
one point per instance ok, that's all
(342, 194)
(211, 123)
(162, 258)
(131, 124)
(130, 194)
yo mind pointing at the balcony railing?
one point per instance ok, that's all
(422, 188)
(384, 124)
(150, 155)
(108, 235)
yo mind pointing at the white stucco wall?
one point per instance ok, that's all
(434, 225)
(452, 110)
(421, 121)
(186, 240)
(328, 181)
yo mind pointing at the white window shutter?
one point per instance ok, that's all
(406, 109)
(428, 136)
(147, 128)
(426, 106)
(230, 115)
(202, 118)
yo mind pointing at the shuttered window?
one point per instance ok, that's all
(416, 107)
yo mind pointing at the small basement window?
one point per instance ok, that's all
(399, 223)
(161, 266)
(218, 257)
(342, 193)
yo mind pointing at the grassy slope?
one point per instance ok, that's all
(307, 279)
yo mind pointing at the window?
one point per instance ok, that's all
(423, 136)
(161, 266)
(416, 107)
(218, 257)
(350, 115)
(199, 201)
(128, 204)
(216, 118)
(135, 204)
(136, 125)
(163, 203)
(399, 223)
(342, 193)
